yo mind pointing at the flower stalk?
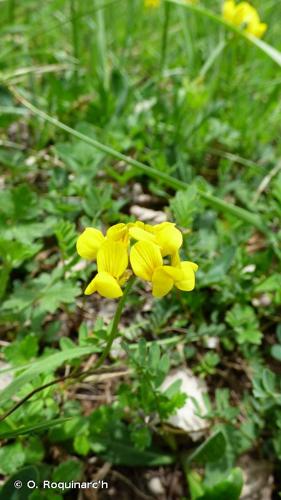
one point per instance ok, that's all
(114, 328)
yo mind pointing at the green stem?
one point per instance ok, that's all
(11, 11)
(102, 50)
(74, 26)
(4, 278)
(114, 328)
(164, 37)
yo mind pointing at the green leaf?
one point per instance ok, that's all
(269, 380)
(16, 252)
(81, 444)
(195, 485)
(21, 351)
(229, 488)
(59, 293)
(33, 428)
(276, 351)
(245, 323)
(34, 450)
(184, 205)
(219, 268)
(270, 284)
(209, 451)
(67, 471)
(12, 456)
(45, 291)
(120, 453)
(154, 356)
(66, 235)
(9, 492)
(45, 365)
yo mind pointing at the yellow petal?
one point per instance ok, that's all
(245, 13)
(187, 281)
(175, 273)
(257, 29)
(183, 276)
(151, 3)
(112, 258)
(118, 232)
(228, 10)
(141, 234)
(91, 288)
(145, 257)
(159, 227)
(105, 285)
(169, 238)
(175, 259)
(161, 282)
(189, 263)
(89, 243)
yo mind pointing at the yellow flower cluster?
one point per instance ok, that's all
(140, 249)
(245, 16)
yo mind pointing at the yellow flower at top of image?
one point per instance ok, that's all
(244, 16)
(151, 4)
(152, 251)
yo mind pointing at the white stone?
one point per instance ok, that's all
(186, 418)
(6, 377)
(155, 486)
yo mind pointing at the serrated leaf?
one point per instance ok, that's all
(66, 235)
(184, 205)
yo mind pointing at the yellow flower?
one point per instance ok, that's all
(147, 263)
(154, 243)
(112, 262)
(150, 4)
(245, 16)
(165, 235)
